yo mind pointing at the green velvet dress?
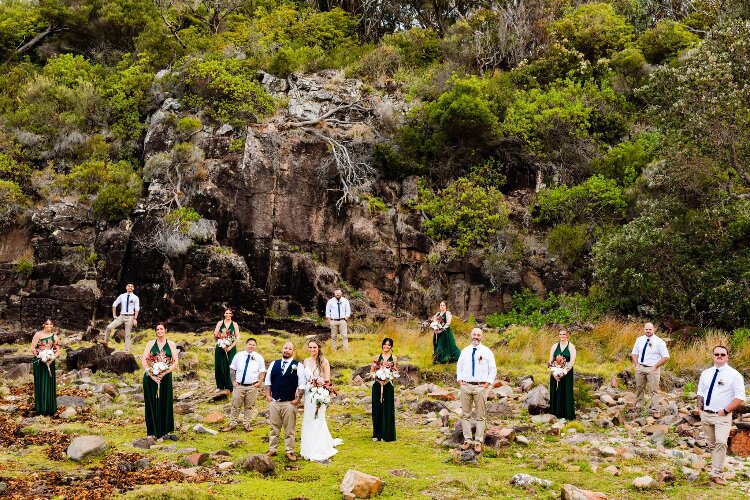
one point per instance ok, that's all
(45, 385)
(159, 399)
(222, 360)
(561, 393)
(383, 413)
(444, 348)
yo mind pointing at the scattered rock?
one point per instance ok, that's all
(402, 473)
(427, 406)
(443, 395)
(143, 463)
(185, 395)
(522, 440)
(608, 451)
(213, 418)
(357, 484)
(607, 400)
(527, 480)
(544, 418)
(18, 371)
(612, 470)
(71, 401)
(226, 465)
(200, 428)
(68, 413)
(189, 472)
(258, 463)
(570, 492)
(196, 459)
(537, 400)
(644, 482)
(85, 446)
(500, 409)
(526, 383)
(664, 476)
(468, 457)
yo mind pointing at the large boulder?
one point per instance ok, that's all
(537, 400)
(87, 357)
(85, 446)
(118, 363)
(357, 484)
(429, 405)
(258, 463)
(18, 371)
(570, 492)
(71, 401)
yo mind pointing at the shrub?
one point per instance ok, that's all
(23, 267)
(188, 125)
(597, 201)
(568, 242)
(91, 176)
(582, 395)
(182, 218)
(631, 66)
(594, 29)
(12, 202)
(417, 47)
(115, 202)
(15, 171)
(665, 41)
(625, 162)
(528, 309)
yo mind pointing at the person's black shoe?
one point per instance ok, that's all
(171, 437)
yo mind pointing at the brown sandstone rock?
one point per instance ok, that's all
(357, 484)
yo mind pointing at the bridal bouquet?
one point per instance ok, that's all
(46, 353)
(558, 367)
(320, 396)
(225, 339)
(438, 324)
(158, 363)
(384, 373)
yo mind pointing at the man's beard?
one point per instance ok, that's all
(475, 342)
(286, 356)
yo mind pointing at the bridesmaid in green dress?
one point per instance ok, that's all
(45, 380)
(157, 389)
(444, 348)
(223, 357)
(561, 388)
(383, 397)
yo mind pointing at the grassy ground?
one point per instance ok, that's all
(414, 466)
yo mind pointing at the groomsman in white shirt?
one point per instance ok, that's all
(337, 313)
(648, 355)
(130, 306)
(720, 391)
(475, 372)
(247, 370)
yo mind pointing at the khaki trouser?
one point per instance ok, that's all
(338, 327)
(647, 381)
(716, 429)
(473, 396)
(243, 396)
(282, 414)
(122, 319)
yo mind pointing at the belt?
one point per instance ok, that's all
(475, 383)
(646, 366)
(127, 314)
(714, 412)
(248, 385)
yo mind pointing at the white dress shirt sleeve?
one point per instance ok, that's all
(261, 363)
(137, 305)
(268, 373)
(493, 367)
(329, 309)
(663, 352)
(301, 380)
(636, 348)
(738, 384)
(234, 364)
(460, 370)
(347, 309)
(703, 385)
(118, 300)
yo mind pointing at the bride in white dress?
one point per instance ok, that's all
(316, 443)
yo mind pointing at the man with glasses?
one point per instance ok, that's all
(130, 306)
(720, 391)
(649, 353)
(247, 370)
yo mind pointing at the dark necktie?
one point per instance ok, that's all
(247, 362)
(711, 388)
(473, 352)
(283, 366)
(339, 304)
(127, 302)
(643, 352)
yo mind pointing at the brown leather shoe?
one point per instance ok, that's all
(248, 428)
(719, 480)
(465, 445)
(291, 457)
(229, 428)
(478, 448)
(271, 453)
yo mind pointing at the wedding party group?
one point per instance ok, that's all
(288, 384)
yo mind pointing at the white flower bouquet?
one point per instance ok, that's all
(320, 396)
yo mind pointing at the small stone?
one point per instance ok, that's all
(185, 395)
(526, 480)
(570, 492)
(612, 470)
(213, 418)
(357, 484)
(85, 446)
(607, 451)
(189, 472)
(607, 400)
(183, 408)
(196, 459)
(200, 428)
(144, 443)
(664, 476)
(71, 401)
(119, 413)
(522, 440)
(644, 482)
(543, 418)
(226, 465)
(141, 464)
(258, 463)
(68, 413)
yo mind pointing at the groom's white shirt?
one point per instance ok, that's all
(484, 365)
(301, 381)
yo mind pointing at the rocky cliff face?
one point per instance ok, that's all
(273, 235)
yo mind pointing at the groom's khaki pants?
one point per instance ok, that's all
(282, 414)
(716, 429)
(473, 396)
(647, 383)
(122, 319)
(243, 396)
(339, 329)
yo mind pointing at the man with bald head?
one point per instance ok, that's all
(285, 385)
(649, 353)
(475, 372)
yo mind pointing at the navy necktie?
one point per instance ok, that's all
(247, 362)
(711, 388)
(643, 352)
(283, 366)
(339, 304)
(127, 301)
(472, 360)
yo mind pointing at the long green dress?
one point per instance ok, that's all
(383, 413)
(222, 360)
(444, 348)
(159, 410)
(45, 385)
(561, 393)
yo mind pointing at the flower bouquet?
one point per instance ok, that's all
(558, 368)
(224, 339)
(46, 353)
(384, 373)
(320, 396)
(438, 325)
(158, 363)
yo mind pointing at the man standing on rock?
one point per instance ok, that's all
(720, 391)
(475, 372)
(337, 313)
(649, 353)
(247, 370)
(130, 305)
(285, 385)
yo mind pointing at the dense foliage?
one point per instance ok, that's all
(630, 120)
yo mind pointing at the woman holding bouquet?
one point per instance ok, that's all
(226, 334)
(444, 348)
(159, 361)
(383, 397)
(316, 442)
(45, 381)
(562, 356)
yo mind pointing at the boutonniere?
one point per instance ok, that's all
(294, 367)
(721, 382)
(480, 358)
(252, 357)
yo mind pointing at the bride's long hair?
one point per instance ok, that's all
(319, 360)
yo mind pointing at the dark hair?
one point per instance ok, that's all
(48, 320)
(229, 309)
(723, 347)
(162, 324)
(248, 340)
(387, 339)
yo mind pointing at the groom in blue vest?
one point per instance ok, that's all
(285, 385)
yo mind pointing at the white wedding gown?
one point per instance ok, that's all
(316, 442)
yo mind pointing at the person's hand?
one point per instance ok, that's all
(269, 398)
(235, 383)
(486, 385)
(295, 402)
(135, 322)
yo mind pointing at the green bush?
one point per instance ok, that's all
(23, 267)
(528, 309)
(665, 41)
(289, 60)
(188, 126)
(594, 29)
(597, 201)
(631, 67)
(182, 218)
(568, 242)
(115, 202)
(15, 171)
(625, 162)
(417, 47)
(465, 213)
(89, 177)
(583, 395)
(739, 338)
(12, 202)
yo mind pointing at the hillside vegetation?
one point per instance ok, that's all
(630, 119)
